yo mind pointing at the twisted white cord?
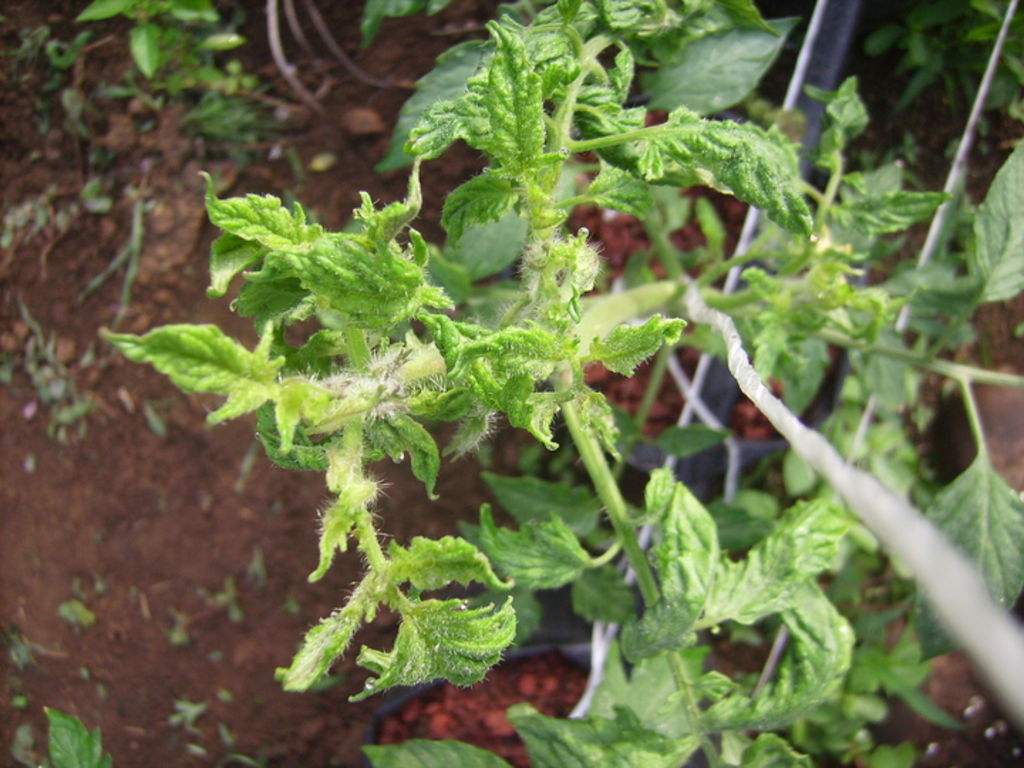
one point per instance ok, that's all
(947, 578)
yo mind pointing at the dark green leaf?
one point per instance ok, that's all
(998, 260)
(530, 498)
(200, 358)
(539, 555)
(483, 199)
(594, 741)
(423, 753)
(487, 249)
(717, 70)
(445, 82)
(686, 441)
(984, 517)
(602, 594)
(440, 639)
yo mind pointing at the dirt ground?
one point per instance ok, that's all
(185, 546)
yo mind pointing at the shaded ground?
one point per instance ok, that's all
(187, 546)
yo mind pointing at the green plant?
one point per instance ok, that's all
(174, 39)
(72, 745)
(390, 358)
(948, 41)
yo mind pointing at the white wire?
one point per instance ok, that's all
(947, 578)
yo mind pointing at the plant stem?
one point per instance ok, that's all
(946, 368)
(608, 491)
(974, 418)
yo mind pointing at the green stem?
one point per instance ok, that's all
(830, 191)
(946, 368)
(589, 145)
(608, 491)
(607, 556)
(974, 418)
(653, 385)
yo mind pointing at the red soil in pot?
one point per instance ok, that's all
(476, 715)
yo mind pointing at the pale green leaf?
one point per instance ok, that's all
(594, 741)
(540, 555)
(758, 166)
(802, 545)
(514, 101)
(325, 642)
(614, 188)
(890, 212)
(200, 358)
(297, 399)
(717, 70)
(304, 453)
(445, 82)
(483, 199)
(340, 518)
(629, 345)
(665, 626)
(984, 517)
(372, 290)
(144, 41)
(625, 16)
(440, 639)
(998, 259)
(72, 745)
(687, 556)
(435, 563)
(424, 753)
(816, 660)
(397, 435)
(105, 9)
(530, 498)
(263, 219)
(771, 751)
(229, 255)
(649, 691)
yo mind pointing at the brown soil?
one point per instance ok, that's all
(147, 530)
(137, 509)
